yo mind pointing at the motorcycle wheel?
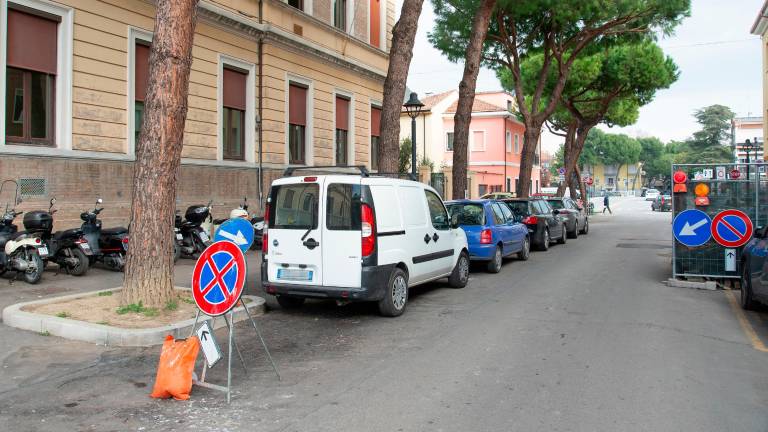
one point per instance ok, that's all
(33, 277)
(82, 265)
(176, 252)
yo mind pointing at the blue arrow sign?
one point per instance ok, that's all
(692, 228)
(238, 231)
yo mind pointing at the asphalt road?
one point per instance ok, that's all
(584, 337)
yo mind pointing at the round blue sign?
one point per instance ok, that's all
(692, 228)
(238, 231)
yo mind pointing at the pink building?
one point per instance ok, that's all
(495, 140)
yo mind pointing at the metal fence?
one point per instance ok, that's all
(731, 186)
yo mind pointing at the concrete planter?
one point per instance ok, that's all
(100, 334)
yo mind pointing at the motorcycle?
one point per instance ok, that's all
(68, 248)
(191, 237)
(19, 251)
(109, 245)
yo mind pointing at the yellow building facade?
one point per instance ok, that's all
(268, 85)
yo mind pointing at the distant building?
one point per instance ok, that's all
(618, 178)
(743, 129)
(760, 28)
(495, 140)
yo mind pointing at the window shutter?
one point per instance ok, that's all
(141, 72)
(32, 42)
(375, 24)
(375, 121)
(342, 113)
(297, 105)
(234, 89)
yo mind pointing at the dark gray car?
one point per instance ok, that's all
(576, 220)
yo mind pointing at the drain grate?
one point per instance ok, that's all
(642, 246)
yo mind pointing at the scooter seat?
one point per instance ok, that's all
(114, 231)
(74, 232)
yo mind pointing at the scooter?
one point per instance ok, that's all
(68, 248)
(194, 238)
(257, 222)
(19, 251)
(109, 245)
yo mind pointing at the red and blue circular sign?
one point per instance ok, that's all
(218, 278)
(732, 228)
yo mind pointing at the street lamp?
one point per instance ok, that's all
(413, 108)
(748, 146)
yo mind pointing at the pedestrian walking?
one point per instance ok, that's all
(606, 205)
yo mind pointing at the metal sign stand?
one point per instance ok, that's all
(230, 325)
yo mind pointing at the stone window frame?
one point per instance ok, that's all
(135, 35)
(309, 156)
(250, 109)
(351, 119)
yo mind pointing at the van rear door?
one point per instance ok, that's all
(342, 260)
(294, 234)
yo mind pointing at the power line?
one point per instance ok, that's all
(710, 43)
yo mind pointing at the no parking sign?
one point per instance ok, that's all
(218, 278)
(732, 228)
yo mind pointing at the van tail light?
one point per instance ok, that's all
(486, 237)
(368, 225)
(264, 232)
(531, 220)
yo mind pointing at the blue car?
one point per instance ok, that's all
(493, 232)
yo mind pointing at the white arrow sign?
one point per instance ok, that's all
(238, 239)
(690, 230)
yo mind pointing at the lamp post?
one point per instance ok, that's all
(748, 146)
(413, 108)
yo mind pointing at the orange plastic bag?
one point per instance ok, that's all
(174, 373)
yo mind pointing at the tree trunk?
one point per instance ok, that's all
(582, 186)
(568, 149)
(149, 265)
(571, 158)
(463, 116)
(403, 36)
(530, 146)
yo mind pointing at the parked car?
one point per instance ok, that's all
(358, 238)
(498, 195)
(492, 231)
(754, 271)
(651, 194)
(544, 223)
(576, 219)
(662, 203)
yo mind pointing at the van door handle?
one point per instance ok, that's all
(311, 243)
(435, 237)
(426, 238)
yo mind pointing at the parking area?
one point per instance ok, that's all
(555, 343)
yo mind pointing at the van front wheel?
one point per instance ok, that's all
(460, 275)
(396, 295)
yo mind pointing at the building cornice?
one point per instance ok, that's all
(244, 25)
(761, 22)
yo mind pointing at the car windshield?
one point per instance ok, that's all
(518, 207)
(468, 214)
(556, 204)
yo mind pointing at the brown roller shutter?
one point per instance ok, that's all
(32, 42)
(375, 121)
(141, 72)
(342, 113)
(297, 105)
(234, 89)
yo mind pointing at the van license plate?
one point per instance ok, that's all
(294, 274)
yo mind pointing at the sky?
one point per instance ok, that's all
(719, 61)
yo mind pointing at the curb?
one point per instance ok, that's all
(708, 285)
(100, 334)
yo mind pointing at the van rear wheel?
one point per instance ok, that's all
(396, 296)
(288, 302)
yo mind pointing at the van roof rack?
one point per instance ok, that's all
(397, 175)
(330, 169)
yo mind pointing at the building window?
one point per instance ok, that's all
(298, 4)
(297, 124)
(234, 84)
(509, 105)
(141, 79)
(375, 136)
(517, 143)
(449, 141)
(342, 130)
(478, 140)
(30, 79)
(508, 141)
(340, 14)
(482, 189)
(375, 28)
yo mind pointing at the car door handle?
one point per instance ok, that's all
(435, 237)
(311, 243)
(426, 238)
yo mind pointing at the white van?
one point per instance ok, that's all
(358, 238)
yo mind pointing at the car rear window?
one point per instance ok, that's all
(468, 214)
(556, 204)
(518, 207)
(294, 206)
(342, 207)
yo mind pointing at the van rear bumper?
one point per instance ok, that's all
(373, 286)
